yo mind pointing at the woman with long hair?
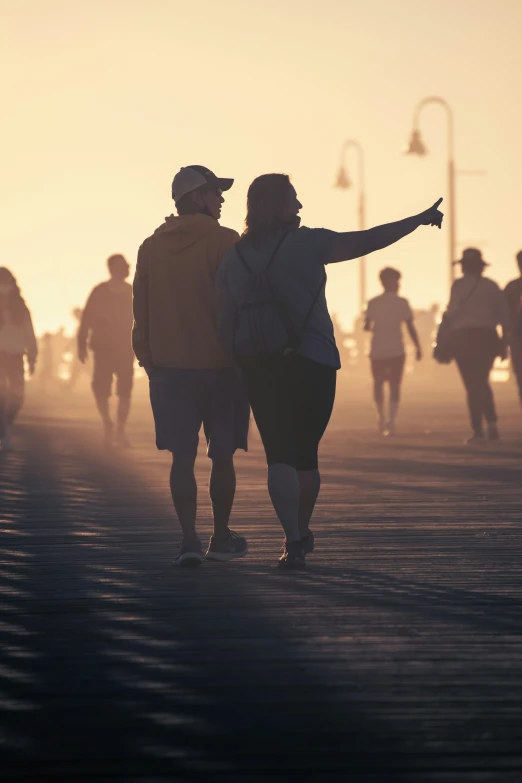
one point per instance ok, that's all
(17, 340)
(291, 386)
(476, 307)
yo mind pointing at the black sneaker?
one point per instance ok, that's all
(229, 548)
(308, 543)
(293, 558)
(190, 554)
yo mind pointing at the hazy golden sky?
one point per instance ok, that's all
(103, 100)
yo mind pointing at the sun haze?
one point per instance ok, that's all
(103, 102)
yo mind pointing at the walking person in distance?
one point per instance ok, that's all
(106, 329)
(385, 316)
(192, 380)
(274, 318)
(513, 294)
(17, 340)
(476, 308)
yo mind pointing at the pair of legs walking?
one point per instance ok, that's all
(107, 365)
(182, 402)
(292, 400)
(475, 353)
(387, 371)
(222, 489)
(12, 386)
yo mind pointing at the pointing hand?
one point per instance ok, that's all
(432, 216)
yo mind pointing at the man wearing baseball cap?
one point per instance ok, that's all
(192, 380)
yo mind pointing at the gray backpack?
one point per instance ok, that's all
(262, 327)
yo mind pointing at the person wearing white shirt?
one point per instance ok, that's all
(476, 307)
(17, 340)
(385, 316)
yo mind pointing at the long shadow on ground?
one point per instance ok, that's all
(114, 666)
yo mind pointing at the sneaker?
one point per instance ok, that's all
(293, 558)
(477, 437)
(308, 543)
(493, 433)
(190, 554)
(227, 548)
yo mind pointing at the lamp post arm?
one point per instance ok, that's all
(449, 115)
(451, 171)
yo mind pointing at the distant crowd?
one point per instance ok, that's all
(225, 326)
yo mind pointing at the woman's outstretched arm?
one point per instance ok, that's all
(354, 244)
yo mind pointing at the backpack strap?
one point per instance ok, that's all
(272, 257)
(468, 296)
(299, 335)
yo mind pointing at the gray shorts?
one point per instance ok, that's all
(183, 400)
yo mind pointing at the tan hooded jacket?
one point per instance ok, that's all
(175, 306)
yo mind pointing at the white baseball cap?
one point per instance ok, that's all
(191, 178)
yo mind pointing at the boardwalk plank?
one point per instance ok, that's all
(397, 655)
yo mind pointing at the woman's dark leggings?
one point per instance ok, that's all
(475, 353)
(292, 400)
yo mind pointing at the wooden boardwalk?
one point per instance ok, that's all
(396, 656)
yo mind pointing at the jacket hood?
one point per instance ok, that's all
(179, 232)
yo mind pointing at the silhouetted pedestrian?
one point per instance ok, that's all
(17, 340)
(513, 293)
(274, 317)
(476, 307)
(385, 316)
(76, 367)
(176, 340)
(106, 328)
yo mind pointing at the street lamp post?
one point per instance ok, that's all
(416, 146)
(344, 183)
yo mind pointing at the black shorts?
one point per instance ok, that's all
(183, 400)
(292, 400)
(390, 370)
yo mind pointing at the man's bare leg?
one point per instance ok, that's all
(184, 491)
(222, 489)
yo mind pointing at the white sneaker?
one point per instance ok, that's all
(389, 429)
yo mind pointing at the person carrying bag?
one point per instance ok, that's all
(444, 350)
(468, 334)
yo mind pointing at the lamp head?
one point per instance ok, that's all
(343, 180)
(416, 145)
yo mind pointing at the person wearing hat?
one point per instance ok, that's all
(513, 294)
(191, 377)
(476, 307)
